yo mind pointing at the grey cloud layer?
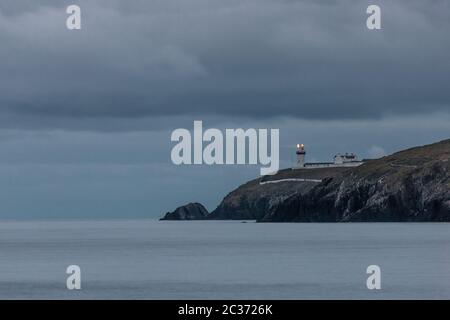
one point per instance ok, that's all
(247, 58)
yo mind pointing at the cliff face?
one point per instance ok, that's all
(255, 199)
(411, 185)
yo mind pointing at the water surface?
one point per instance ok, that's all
(145, 259)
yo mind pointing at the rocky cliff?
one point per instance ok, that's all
(255, 199)
(411, 185)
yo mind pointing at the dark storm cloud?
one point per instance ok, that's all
(255, 58)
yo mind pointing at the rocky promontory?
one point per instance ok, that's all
(411, 185)
(191, 211)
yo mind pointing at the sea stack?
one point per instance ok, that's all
(190, 211)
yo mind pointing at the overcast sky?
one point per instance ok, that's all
(86, 116)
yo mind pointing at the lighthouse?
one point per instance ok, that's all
(300, 152)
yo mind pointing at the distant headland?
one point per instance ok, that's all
(410, 185)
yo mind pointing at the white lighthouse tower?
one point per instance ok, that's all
(300, 152)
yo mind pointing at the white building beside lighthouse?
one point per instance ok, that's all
(340, 160)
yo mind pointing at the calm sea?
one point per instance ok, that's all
(147, 259)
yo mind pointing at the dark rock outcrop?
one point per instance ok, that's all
(191, 211)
